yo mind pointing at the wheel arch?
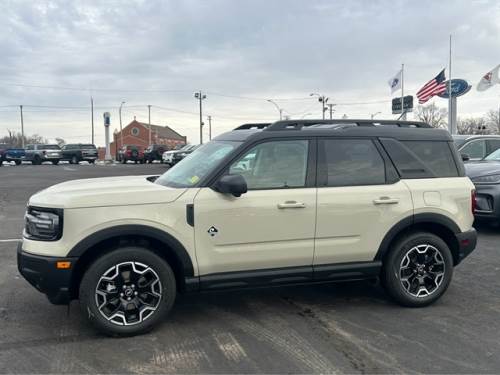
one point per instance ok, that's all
(156, 240)
(438, 224)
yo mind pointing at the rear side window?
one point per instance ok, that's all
(475, 149)
(351, 162)
(421, 159)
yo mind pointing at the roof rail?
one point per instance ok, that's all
(299, 124)
(260, 125)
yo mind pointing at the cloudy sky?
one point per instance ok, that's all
(56, 54)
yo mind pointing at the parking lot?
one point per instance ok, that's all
(348, 327)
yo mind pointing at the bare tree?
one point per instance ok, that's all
(60, 141)
(15, 139)
(432, 115)
(474, 125)
(493, 119)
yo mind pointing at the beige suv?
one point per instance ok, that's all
(292, 202)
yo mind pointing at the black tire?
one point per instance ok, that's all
(135, 161)
(74, 160)
(18, 162)
(405, 258)
(55, 162)
(37, 160)
(123, 161)
(92, 161)
(142, 161)
(89, 298)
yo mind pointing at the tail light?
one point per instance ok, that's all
(473, 201)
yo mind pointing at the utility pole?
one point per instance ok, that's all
(22, 126)
(121, 130)
(209, 128)
(331, 105)
(92, 117)
(149, 122)
(198, 95)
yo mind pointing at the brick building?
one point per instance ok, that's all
(137, 133)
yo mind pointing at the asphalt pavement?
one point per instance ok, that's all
(338, 328)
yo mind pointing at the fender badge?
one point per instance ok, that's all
(212, 231)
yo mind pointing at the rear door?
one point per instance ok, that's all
(360, 198)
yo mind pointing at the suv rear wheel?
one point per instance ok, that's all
(127, 291)
(418, 269)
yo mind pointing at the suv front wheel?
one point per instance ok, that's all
(418, 269)
(127, 291)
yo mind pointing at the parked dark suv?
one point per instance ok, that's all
(78, 152)
(131, 152)
(154, 152)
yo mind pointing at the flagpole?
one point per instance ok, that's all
(450, 109)
(403, 114)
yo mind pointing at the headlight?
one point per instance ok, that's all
(490, 179)
(43, 223)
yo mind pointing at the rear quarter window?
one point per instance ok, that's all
(422, 159)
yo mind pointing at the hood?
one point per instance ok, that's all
(482, 168)
(107, 191)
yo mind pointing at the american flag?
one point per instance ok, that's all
(434, 87)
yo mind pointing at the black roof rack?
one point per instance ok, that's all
(260, 125)
(340, 123)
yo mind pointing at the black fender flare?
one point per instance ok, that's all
(408, 222)
(137, 230)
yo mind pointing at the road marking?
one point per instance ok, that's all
(12, 240)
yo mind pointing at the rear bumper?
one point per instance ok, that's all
(466, 244)
(42, 273)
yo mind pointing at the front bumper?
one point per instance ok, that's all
(42, 273)
(466, 244)
(488, 201)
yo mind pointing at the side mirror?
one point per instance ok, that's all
(232, 184)
(465, 157)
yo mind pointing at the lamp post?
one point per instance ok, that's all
(120, 115)
(280, 110)
(323, 100)
(375, 114)
(198, 95)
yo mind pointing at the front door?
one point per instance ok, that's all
(269, 227)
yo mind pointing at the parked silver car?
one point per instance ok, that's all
(37, 154)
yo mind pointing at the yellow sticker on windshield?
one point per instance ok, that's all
(194, 179)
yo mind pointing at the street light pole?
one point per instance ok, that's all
(92, 116)
(121, 130)
(149, 122)
(280, 110)
(209, 128)
(331, 105)
(200, 96)
(22, 126)
(322, 99)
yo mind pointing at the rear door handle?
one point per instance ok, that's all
(386, 200)
(291, 204)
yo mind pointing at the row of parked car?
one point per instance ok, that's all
(137, 154)
(39, 153)
(77, 152)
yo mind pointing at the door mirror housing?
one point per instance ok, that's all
(465, 157)
(232, 184)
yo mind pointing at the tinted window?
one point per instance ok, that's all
(30, 147)
(49, 147)
(87, 147)
(493, 145)
(475, 149)
(351, 162)
(271, 165)
(421, 159)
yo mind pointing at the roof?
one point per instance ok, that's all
(402, 130)
(162, 131)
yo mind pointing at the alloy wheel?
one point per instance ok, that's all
(128, 293)
(422, 270)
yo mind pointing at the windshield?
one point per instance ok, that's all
(194, 167)
(495, 155)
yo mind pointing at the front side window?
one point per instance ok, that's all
(475, 149)
(274, 165)
(351, 162)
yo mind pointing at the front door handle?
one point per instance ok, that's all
(386, 200)
(291, 204)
